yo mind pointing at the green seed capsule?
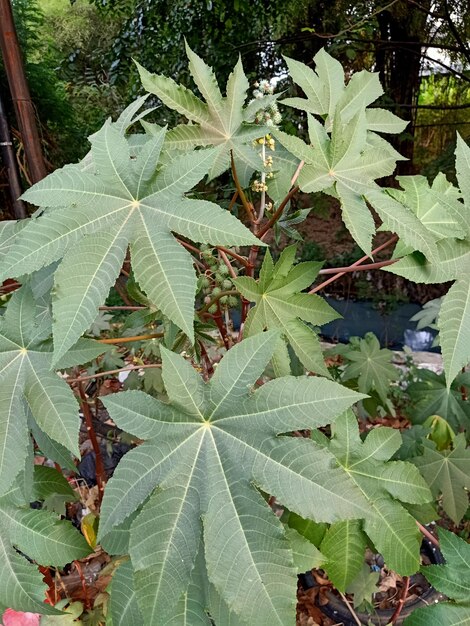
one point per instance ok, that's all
(219, 278)
(212, 309)
(223, 269)
(224, 300)
(227, 283)
(232, 301)
(216, 291)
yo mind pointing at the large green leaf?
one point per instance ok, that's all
(451, 579)
(40, 536)
(450, 262)
(430, 395)
(202, 452)
(443, 614)
(219, 121)
(447, 472)
(25, 364)
(384, 483)
(122, 198)
(326, 93)
(436, 206)
(278, 304)
(346, 165)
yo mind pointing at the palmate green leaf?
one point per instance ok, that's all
(447, 472)
(370, 365)
(327, 94)
(442, 614)
(42, 537)
(451, 579)
(224, 431)
(344, 547)
(347, 164)
(97, 213)
(278, 304)
(430, 395)
(25, 364)
(384, 483)
(436, 206)
(220, 121)
(451, 261)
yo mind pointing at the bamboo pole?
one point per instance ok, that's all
(24, 109)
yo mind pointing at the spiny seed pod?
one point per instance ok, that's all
(216, 291)
(227, 284)
(204, 282)
(223, 269)
(219, 279)
(232, 301)
(212, 309)
(224, 300)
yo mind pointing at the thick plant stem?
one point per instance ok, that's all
(278, 213)
(388, 243)
(99, 465)
(241, 194)
(358, 268)
(401, 602)
(428, 535)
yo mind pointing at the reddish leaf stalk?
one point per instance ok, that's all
(359, 268)
(86, 598)
(224, 258)
(402, 600)
(219, 320)
(241, 194)
(278, 213)
(100, 472)
(428, 535)
(238, 257)
(322, 285)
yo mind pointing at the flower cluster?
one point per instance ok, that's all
(270, 115)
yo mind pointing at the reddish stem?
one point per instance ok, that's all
(278, 213)
(219, 320)
(86, 598)
(246, 205)
(402, 600)
(359, 268)
(100, 472)
(428, 535)
(224, 258)
(238, 257)
(322, 285)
